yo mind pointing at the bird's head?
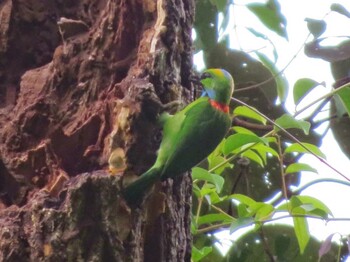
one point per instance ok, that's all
(218, 85)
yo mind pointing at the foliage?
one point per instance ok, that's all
(259, 158)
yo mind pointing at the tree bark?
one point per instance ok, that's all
(81, 81)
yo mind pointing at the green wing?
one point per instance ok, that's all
(190, 136)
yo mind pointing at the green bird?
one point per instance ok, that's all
(190, 135)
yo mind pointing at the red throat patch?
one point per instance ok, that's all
(221, 107)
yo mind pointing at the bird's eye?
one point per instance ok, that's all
(206, 75)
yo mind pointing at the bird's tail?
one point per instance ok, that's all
(134, 192)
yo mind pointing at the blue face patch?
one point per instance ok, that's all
(210, 93)
(226, 74)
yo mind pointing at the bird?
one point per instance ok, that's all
(190, 135)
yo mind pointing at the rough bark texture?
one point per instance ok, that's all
(80, 80)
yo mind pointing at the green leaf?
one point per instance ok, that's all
(243, 199)
(254, 157)
(270, 15)
(302, 87)
(215, 198)
(198, 255)
(242, 130)
(344, 96)
(261, 152)
(305, 148)
(257, 34)
(264, 212)
(261, 148)
(316, 27)
(236, 141)
(207, 189)
(214, 218)
(215, 160)
(287, 121)
(281, 82)
(218, 149)
(298, 167)
(249, 113)
(196, 190)
(340, 9)
(301, 230)
(314, 202)
(242, 210)
(241, 222)
(202, 174)
(263, 36)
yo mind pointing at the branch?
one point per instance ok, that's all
(239, 122)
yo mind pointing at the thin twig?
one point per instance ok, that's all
(284, 186)
(327, 220)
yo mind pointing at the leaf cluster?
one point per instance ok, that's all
(251, 179)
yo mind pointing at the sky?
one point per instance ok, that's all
(335, 196)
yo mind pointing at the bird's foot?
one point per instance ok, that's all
(154, 106)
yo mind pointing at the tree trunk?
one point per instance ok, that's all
(81, 81)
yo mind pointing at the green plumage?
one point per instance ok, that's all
(190, 135)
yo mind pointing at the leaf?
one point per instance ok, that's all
(215, 198)
(261, 148)
(301, 230)
(202, 174)
(287, 121)
(298, 167)
(249, 113)
(242, 210)
(257, 34)
(305, 148)
(325, 246)
(242, 130)
(316, 27)
(316, 204)
(344, 96)
(241, 222)
(196, 190)
(236, 141)
(218, 149)
(281, 82)
(243, 199)
(215, 160)
(212, 218)
(198, 255)
(206, 190)
(270, 15)
(254, 157)
(264, 212)
(302, 87)
(340, 9)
